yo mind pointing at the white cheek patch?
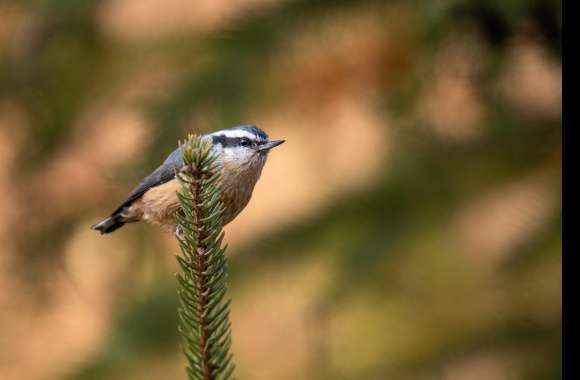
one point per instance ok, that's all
(238, 157)
(238, 154)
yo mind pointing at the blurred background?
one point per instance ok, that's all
(410, 227)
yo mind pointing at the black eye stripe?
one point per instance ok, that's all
(230, 142)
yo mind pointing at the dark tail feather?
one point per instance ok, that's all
(109, 224)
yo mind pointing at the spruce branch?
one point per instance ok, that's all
(203, 313)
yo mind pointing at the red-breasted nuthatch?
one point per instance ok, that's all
(241, 154)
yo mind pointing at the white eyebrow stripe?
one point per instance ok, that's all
(236, 133)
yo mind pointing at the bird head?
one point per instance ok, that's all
(244, 146)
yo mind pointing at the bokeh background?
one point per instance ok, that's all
(410, 228)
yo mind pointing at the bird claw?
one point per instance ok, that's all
(178, 233)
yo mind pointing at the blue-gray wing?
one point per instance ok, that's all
(161, 175)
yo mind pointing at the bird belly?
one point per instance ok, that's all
(234, 203)
(236, 193)
(158, 205)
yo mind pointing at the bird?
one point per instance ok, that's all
(241, 153)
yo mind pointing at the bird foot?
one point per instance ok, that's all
(178, 233)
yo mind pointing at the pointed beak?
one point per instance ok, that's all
(270, 144)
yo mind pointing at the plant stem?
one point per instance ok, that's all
(201, 278)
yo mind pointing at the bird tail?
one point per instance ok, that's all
(109, 224)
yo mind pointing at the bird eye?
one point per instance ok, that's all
(245, 142)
